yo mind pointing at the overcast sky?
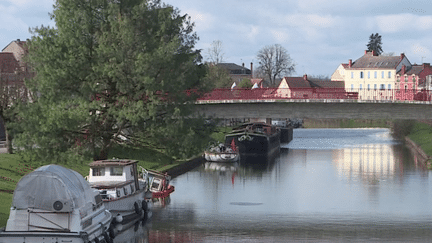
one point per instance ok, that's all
(318, 34)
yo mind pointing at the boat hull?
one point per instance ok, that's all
(129, 208)
(221, 157)
(251, 144)
(164, 193)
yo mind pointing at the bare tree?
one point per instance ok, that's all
(215, 52)
(274, 61)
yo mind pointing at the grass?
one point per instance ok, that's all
(421, 134)
(219, 135)
(12, 169)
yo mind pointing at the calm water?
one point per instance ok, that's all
(327, 185)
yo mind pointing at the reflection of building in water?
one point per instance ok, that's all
(369, 162)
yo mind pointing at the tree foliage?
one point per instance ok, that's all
(13, 93)
(245, 84)
(375, 43)
(113, 72)
(217, 77)
(274, 61)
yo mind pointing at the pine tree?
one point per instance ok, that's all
(112, 71)
(375, 43)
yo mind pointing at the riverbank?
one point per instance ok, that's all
(345, 123)
(13, 168)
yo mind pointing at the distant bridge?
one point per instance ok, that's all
(348, 106)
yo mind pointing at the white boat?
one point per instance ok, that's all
(124, 192)
(221, 153)
(55, 204)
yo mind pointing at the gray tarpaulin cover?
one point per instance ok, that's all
(50, 183)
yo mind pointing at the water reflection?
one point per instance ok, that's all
(134, 231)
(369, 163)
(327, 185)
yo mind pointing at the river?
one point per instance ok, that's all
(327, 185)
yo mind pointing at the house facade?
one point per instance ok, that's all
(18, 49)
(372, 76)
(339, 74)
(237, 72)
(414, 83)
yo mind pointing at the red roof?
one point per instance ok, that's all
(8, 63)
(297, 82)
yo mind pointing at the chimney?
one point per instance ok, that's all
(374, 53)
(366, 52)
(243, 64)
(305, 77)
(402, 56)
(350, 63)
(425, 65)
(252, 69)
(403, 70)
(18, 40)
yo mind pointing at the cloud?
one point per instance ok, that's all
(280, 35)
(203, 21)
(9, 22)
(420, 50)
(403, 22)
(31, 3)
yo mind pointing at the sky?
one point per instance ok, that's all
(318, 34)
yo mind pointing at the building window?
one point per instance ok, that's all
(361, 74)
(389, 87)
(375, 74)
(116, 171)
(361, 86)
(352, 86)
(389, 74)
(382, 87)
(368, 74)
(368, 86)
(382, 74)
(375, 86)
(98, 171)
(352, 74)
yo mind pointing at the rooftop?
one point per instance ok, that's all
(112, 162)
(371, 61)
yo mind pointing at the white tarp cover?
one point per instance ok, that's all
(51, 183)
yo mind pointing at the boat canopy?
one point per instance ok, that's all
(48, 184)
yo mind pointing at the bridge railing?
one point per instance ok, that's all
(317, 94)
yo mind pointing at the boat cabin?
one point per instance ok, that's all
(114, 178)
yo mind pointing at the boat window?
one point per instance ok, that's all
(156, 184)
(116, 171)
(98, 171)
